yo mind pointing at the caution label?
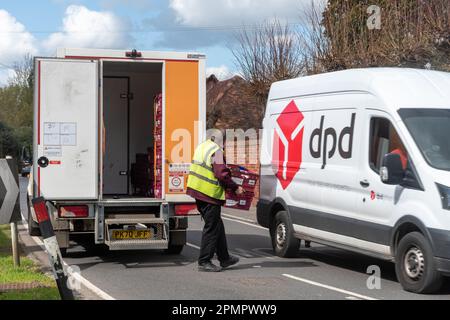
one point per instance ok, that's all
(176, 182)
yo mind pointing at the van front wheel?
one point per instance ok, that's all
(415, 266)
(284, 242)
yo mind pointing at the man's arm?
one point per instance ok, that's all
(222, 173)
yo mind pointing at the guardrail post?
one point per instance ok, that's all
(52, 248)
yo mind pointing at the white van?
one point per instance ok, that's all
(360, 160)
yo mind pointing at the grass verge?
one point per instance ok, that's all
(27, 273)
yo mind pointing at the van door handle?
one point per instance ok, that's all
(364, 183)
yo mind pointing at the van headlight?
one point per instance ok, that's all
(445, 195)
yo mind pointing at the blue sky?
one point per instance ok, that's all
(207, 26)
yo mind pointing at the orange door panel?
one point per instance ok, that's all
(182, 113)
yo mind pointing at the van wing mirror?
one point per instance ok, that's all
(391, 171)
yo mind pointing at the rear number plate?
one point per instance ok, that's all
(131, 234)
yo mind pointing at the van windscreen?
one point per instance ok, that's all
(430, 129)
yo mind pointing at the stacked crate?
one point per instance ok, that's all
(158, 163)
(248, 181)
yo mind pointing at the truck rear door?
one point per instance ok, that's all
(66, 129)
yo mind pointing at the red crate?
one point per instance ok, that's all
(243, 177)
(240, 202)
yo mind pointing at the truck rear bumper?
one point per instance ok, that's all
(138, 245)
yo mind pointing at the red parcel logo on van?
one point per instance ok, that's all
(288, 144)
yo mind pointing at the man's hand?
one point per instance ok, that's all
(240, 191)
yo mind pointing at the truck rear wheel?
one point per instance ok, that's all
(174, 249)
(284, 242)
(415, 266)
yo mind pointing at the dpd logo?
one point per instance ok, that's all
(287, 144)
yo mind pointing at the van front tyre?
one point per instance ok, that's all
(284, 242)
(415, 266)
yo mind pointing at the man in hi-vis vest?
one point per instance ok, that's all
(208, 179)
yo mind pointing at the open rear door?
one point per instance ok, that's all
(66, 129)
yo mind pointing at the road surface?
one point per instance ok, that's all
(317, 273)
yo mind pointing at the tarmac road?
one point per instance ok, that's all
(317, 273)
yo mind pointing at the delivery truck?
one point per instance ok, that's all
(114, 134)
(360, 160)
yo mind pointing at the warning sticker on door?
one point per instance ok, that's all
(179, 168)
(176, 183)
(50, 152)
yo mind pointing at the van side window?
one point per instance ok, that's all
(384, 139)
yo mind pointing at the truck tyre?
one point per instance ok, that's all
(174, 249)
(33, 227)
(63, 252)
(284, 242)
(415, 266)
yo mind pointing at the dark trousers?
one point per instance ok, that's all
(213, 236)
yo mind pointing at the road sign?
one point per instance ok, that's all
(9, 192)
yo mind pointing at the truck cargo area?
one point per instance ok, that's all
(129, 146)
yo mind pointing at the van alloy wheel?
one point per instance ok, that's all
(281, 235)
(414, 263)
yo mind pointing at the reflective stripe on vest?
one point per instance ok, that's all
(201, 176)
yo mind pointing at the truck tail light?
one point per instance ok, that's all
(73, 212)
(40, 209)
(184, 209)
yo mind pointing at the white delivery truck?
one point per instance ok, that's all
(360, 160)
(114, 133)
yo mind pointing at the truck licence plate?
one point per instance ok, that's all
(131, 234)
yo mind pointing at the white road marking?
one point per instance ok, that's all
(246, 223)
(317, 284)
(78, 277)
(238, 218)
(192, 246)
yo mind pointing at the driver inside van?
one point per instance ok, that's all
(397, 147)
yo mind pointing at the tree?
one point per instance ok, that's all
(8, 143)
(16, 106)
(412, 33)
(267, 53)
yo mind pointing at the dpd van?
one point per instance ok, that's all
(360, 160)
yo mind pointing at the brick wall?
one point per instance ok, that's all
(246, 155)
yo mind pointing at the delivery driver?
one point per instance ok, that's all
(207, 181)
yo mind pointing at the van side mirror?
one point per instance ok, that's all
(391, 171)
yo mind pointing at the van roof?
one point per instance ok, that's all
(394, 87)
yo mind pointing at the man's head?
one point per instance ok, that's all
(217, 135)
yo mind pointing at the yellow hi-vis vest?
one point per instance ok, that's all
(201, 176)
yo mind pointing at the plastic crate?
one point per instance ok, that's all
(244, 177)
(240, 202)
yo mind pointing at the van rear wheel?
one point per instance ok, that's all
(284, 242)
(415, 266)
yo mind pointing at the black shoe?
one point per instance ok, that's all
(209, 267)
(230, 262)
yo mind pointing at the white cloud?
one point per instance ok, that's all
(200, 13)
(221, 73)
(5, 75)
(15, 41)
(91, 29)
